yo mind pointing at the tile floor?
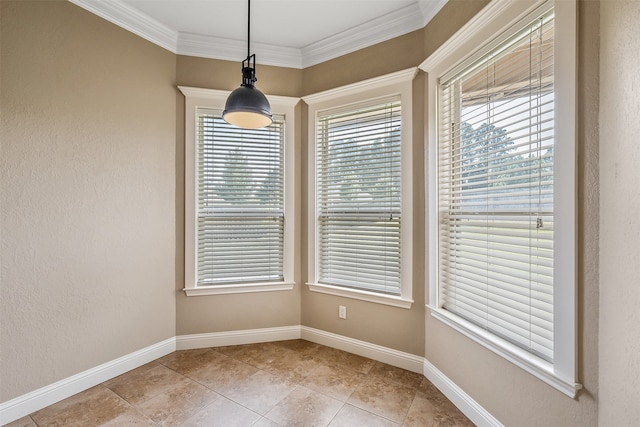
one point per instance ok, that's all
(285, 383)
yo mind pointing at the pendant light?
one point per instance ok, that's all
(246, 106)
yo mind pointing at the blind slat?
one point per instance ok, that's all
(495, 184)
(240, 195)
(358, 196)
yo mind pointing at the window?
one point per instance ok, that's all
(496, 190)
(237, 238)
(358, 176)
(361, 191)
(502, 186)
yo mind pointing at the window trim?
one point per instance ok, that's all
(490, 23)
(398, 83)
(212, 98)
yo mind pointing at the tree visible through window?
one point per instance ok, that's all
(359, 215)
(240, 202)
(496, 190)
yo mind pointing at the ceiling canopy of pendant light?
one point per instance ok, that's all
(246, 106)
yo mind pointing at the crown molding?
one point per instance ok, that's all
(131, 19)
(375, 31)
(429, 9)
(233, 50)
(362, 86)
(402, 21)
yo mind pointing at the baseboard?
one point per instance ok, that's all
(472, 409)
(462, 400)
(247, 336)
(252, 336)
(392, 357)
(45, 396)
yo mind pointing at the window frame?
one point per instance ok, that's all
(215, 99)
(492, 22)
(399, 83)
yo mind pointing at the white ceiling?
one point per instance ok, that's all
(287, 33)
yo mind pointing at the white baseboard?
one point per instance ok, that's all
(252, 336)
(27, 403)
(462, 400)
(392, 357)
(247, 336)
(45, 396)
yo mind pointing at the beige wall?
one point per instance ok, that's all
(88, 193)
(451, 17)
(619, 207)
(396, 54)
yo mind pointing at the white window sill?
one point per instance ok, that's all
(239, 288)
(537, 367)
(361, 295)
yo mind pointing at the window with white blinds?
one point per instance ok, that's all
(240, 201)
(496, 165)
(358, 206)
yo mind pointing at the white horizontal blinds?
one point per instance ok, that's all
(358, 196)
(495, 177)
(240, 201)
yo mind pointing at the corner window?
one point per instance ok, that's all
(236, 232)
(361, 180)
(502, 185)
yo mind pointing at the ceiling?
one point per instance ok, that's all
(286, 33)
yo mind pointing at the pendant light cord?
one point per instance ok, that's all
(248, 28)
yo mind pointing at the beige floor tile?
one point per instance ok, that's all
(93, 407)
(305, 407)
(178, 403)
(131, 418)
(223, 376)
(261, 355)
(22, 422)
(230, 350)
(426, 413)
(266, 422)
(131, 374)
(301, 346)
(292, 365)
(261, 391)
(396, 375)
(427, 390)
(138, 387)
(383, 398)
(189, 361)
(334, 357)
(223, 413)
(334, 381)
(350, 416)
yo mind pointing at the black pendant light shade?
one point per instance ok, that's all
(246, 106)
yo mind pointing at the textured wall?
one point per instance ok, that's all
(87, 199)
(619, 207)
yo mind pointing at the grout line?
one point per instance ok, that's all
(373, 373)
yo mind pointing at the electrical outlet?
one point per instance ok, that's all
(342, 312)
